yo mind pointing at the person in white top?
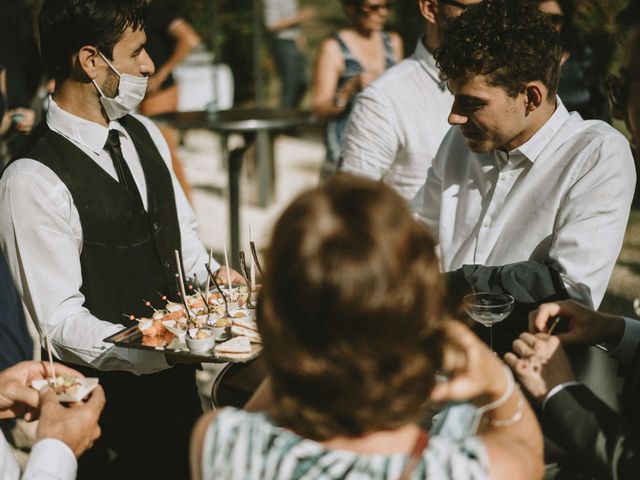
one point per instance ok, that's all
(63, 434)
(523, 196)
(283, 19)
(397, 122)
(90, 217)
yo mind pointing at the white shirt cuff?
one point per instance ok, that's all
(629, 342)
(557, 389)
(51, 459)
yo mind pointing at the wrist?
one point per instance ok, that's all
(615, 332)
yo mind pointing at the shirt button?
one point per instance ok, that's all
(503, 176)
(486, 223)
(155, 227)
(167, 265)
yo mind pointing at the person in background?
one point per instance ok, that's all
(582, 83)
(518, 202)
(63, 433)
(283, 19)
(19, 55)
(170, 39)
(354, 330)
(397, 123)
(347, 62)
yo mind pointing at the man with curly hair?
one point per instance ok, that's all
(523, 196)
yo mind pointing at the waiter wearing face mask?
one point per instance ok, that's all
(90, 217)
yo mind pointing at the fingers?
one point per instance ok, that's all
(48, 396)
(539, 318)
(60, 370)
(96, 400)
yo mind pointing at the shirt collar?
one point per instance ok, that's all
(428, 63)
(532, 148)
(84, 132)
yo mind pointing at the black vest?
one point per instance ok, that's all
(127, 256)
(127, 252)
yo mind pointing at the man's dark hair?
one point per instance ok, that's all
(68, 25)
(508, 41)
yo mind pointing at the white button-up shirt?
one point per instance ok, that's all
(50, 459)
(397, 124)
(41, 237)
(563, 196)
(276, 11)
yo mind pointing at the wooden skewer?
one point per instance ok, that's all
(553, 325)
(47, 340)
(226, 263)
(181, 284)
(148, 304)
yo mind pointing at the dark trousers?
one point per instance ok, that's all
(291, 68)
(146, 426)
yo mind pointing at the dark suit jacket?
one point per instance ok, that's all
(605, 443)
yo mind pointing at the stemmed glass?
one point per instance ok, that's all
(488, 309)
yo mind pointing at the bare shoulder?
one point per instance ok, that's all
(197, 443)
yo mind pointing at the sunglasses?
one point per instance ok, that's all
(453, 3)
(618, 86)
(555, 18)
(376, 7)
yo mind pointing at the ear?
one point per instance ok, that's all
(535, 94)
(88, 60)
(429, 10)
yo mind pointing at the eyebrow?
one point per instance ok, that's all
(139, 49)
(470, 98)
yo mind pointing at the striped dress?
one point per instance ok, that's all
(241, 445)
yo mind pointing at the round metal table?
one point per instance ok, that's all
(257, 125)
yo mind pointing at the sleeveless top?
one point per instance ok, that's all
(336, 126)
(243, 445)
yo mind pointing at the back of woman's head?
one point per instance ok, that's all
(349, 311)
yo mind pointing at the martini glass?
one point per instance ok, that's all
(488, 309)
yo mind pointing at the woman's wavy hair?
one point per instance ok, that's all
(350, 311)
(510, 42)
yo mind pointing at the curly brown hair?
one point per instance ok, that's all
(350, 311)
(509, 42)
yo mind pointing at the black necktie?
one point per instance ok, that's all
(122, 169)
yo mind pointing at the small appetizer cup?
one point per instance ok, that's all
(201, 345)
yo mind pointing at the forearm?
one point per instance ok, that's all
(186, 40)
(512, 436)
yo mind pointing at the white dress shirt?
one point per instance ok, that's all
(397, 124)
(276, 11)
(41, 237)
(50, 459)
(563, 196)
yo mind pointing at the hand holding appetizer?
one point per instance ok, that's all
(76, 426)
(17, 398)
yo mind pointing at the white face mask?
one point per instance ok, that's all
(131, 91)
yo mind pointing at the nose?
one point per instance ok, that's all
(147, 67)
(457, 119)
